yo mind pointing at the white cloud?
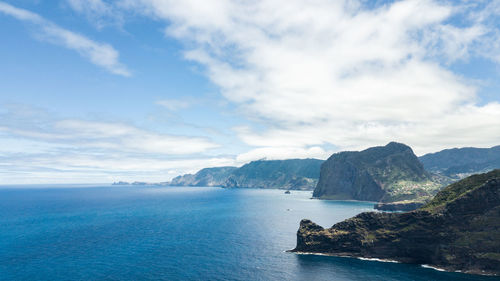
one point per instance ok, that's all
(94, 168)
(176, 104)
(283, 152)
(36, 147)
(98, 12)
(336, 72)
(100, 54)
(113, 136)
(312, 74)
(489, 17)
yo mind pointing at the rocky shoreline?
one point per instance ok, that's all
(480, 272)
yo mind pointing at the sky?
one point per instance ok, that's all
(96, 91)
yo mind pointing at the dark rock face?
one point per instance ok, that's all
(376, 174)
(459, 162)
(458, 230)
(295, 174)
(341, 179)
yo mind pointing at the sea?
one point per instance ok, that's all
(83, 232)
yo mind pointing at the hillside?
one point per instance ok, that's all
(204, 177)
(297, 174)
(458, 230)
(385, 173)
(460, 162)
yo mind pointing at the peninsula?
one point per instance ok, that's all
(458, 230)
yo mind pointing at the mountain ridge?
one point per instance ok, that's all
(295, 174)
(460, 162)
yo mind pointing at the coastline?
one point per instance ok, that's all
(342, 256)
(441, 269)
(343, 200)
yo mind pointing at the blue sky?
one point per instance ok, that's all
(99, 91)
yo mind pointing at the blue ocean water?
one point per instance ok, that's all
(170, 233)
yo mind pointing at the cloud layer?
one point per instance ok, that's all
(100, 54)
(39, 147)
(341, 73)
(308, 77)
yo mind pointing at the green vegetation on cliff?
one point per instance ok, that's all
(458, 189)
(297, 174)
(204, 177)
(458, 230)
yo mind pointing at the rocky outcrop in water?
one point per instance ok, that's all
(385, 173)
(457, 230)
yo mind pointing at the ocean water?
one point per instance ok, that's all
(170, 233)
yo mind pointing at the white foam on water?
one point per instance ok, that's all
(346, 256)
(432, 267)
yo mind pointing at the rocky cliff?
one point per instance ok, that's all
(385, 173)
(457, 230)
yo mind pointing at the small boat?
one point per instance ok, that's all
(287, 192)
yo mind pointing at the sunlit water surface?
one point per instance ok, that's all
(170, 233)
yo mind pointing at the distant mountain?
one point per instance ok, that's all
(384, 173)
(205, 177)
(138, 183)
(460, 162)
(297, 174)
(458, 230)
(121, 183)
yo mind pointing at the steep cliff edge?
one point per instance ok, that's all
(458, 230)
(385, 173)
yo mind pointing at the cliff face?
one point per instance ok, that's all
(296, 174)
(459, 162)
(458, 230)
(388, 173)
